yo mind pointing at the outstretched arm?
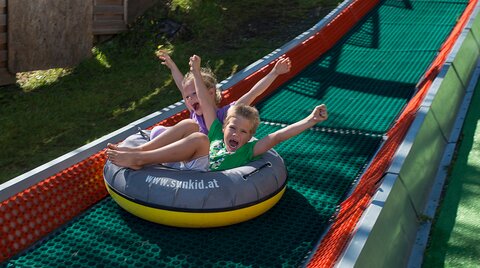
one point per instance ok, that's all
(206, 102)
(282, 66)
(319, 114)
(176, 74)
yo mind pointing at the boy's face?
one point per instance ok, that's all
(237, 132)
(191, 100)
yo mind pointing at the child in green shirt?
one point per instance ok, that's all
(187, 88)
(226, 146)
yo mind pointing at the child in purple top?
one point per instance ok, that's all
(186, 86)
(225, 147)
(221, 114)
(161, 136)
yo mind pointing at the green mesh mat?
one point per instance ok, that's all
(369, 76)
(108, 236)
(365, 80)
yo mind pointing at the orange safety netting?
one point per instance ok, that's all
(352, 208)
(37, 211)
(308, 51)
(32, 214)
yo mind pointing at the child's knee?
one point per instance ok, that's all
(157, 130)
(201, 141)
(190, 124)
(199, 137)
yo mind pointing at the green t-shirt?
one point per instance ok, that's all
(220, 158)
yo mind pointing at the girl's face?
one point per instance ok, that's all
(237, 132)
(191, 100)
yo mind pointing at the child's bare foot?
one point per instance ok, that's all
(123, 159)
(123, 148)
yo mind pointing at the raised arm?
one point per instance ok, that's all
(282, 66)
(176, 74)
(319, 114)
(206, 102)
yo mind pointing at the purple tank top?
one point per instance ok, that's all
(221, 114)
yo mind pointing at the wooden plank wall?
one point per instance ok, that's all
(109, 17)
(5, 76)
(137, 8)
(44, 34)
(50, 33)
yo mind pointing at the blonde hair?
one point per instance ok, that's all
(209, 80)
(248, 112)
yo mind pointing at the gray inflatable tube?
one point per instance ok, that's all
(196, 199)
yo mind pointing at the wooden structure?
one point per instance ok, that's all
(109, 16)
(44, 34)
(5, 76)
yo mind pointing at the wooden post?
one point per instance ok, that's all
(5, 76)
(44, 34)
(109, 17)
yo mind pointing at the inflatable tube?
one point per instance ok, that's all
(195, 199)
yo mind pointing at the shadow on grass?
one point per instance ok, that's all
(96, 98)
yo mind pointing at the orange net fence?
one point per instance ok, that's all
(30, 215)
(352, 208)
(308, 51)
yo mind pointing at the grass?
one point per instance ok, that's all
(49, 113)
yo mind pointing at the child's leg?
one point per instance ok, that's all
(177, 132)
(157, 130)
(186, 149)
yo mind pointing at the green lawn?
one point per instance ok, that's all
(52, 112)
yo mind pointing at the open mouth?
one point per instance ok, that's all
(196, 106)
(233, 144)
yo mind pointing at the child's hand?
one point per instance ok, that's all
(195, 63)
(282, 66)
(319, 114)
(164, 57)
